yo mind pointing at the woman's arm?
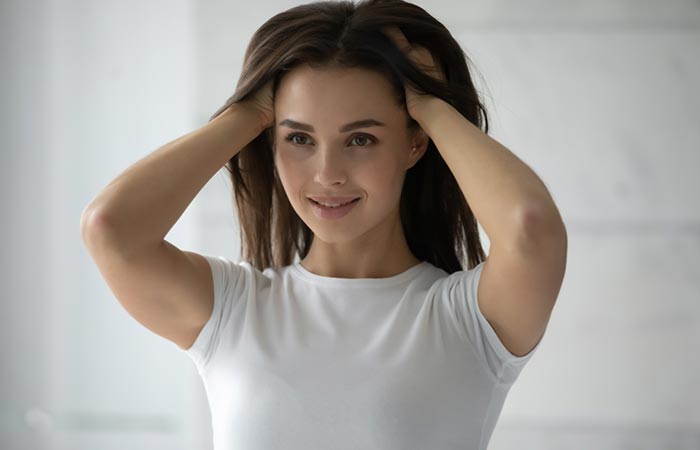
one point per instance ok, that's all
(506, 196)
(139, 207)
(523, 273)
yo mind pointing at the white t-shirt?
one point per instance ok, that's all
(293, 360)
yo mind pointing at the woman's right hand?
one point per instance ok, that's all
(261, 103)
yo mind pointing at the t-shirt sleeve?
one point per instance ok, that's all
(460, 288)
(229, 288)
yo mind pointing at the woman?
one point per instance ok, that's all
(354, 144)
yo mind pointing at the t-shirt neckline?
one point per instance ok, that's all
(402, 277)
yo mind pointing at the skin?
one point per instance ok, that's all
(369, 241)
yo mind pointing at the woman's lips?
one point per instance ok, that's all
(331, 200)
(325, 212)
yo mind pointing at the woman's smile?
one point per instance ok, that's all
(332, 212)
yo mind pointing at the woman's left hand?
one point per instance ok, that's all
(423, 60)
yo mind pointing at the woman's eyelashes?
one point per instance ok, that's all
(364, 137)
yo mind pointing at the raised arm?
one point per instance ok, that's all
(167, 290)
(139, 207)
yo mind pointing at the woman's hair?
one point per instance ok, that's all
(436, 218)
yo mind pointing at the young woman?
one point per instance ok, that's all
(359, 170)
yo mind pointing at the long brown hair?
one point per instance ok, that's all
(436, 218)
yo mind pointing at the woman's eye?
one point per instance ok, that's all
(292, 136)
(362, 136)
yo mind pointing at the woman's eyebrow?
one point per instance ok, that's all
(364, 123)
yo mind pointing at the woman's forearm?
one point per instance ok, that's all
(139, 207)
(508, 199)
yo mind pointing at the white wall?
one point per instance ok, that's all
(599, 98)
(88, 88)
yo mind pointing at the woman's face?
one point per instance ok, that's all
(322, 158)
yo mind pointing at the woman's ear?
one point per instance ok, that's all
(418, 148)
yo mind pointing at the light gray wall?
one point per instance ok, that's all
(88, 88)
(600, 98)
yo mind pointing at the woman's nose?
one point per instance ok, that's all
(330, 168)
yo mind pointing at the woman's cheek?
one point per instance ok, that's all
(295, 178)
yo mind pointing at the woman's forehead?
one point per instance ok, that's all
(333, 98)
(352, 86)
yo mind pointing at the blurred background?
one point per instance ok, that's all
(600, 98)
